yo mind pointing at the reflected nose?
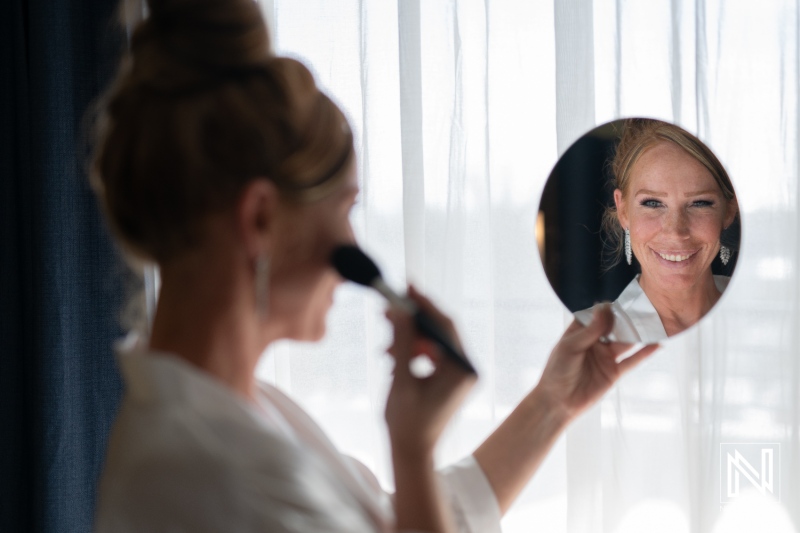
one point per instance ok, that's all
(677, 223)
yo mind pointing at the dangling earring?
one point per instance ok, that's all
(724, 254)
(262, 285)
(628, 252)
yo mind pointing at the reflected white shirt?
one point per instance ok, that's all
(635, 318)
(187, 454)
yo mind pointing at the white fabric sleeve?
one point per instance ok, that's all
(471, 498)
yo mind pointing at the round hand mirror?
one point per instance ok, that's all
(640, 213)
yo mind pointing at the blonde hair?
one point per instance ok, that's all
(200, 106)
(639, 135)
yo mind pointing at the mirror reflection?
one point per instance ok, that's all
(640, 213)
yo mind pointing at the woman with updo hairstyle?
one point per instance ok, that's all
(228, 168)
(674, 216)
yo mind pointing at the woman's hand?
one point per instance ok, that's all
(581, 368)
(417, 411)
(579, 371)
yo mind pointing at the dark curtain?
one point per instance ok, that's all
(574, 199)
(61, 279)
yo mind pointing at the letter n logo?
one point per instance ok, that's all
(749, 465)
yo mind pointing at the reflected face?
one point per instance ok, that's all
(301, 290)
(675, 212)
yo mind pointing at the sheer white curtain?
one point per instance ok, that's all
(460, 109)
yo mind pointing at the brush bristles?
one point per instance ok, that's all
(355, 265)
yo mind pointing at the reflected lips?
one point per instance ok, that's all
(676, 258)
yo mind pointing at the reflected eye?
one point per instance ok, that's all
(650, 202)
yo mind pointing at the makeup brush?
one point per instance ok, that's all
(354, 265)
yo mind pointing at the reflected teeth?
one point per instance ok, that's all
(675, 258)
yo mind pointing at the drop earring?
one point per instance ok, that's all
(724, 254)
(262, 285)
(628, 252)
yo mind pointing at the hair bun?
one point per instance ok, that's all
(199, 108)
(182, 41)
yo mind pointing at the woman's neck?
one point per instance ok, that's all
(680, 309)
(204, 322)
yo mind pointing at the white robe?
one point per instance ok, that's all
(635, 318)
(187, 454)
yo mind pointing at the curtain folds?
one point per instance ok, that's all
(60, 293)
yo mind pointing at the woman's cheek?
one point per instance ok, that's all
(646, 226)
(708, 225)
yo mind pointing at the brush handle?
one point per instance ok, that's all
(428, 328)
(425, 324)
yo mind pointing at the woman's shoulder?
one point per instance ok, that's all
(176, 422)
(185, 444)
(195, 471)
(164, 441)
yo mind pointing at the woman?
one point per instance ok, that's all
(673, 202)
(229, 168)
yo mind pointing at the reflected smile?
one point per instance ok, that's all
(676, 258)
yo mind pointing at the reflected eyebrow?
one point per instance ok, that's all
(663, 194)
(700, 193)
(651, 193)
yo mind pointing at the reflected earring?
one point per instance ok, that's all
(724, 254)
(262, 285)
(628, 252)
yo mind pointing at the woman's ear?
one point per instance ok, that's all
(622, 208)
(255, 215)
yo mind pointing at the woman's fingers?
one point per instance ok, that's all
(581, 339)
(409, 344)
(418, 408)
(447, 371)
(426, 304)
(402, 348)
(573, 327)
(447, 379)
(613, 350)
(629, 362)
(445, 374)
(616, 349)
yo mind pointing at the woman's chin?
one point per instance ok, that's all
(676, 277)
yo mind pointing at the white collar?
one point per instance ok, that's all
(643, 315)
